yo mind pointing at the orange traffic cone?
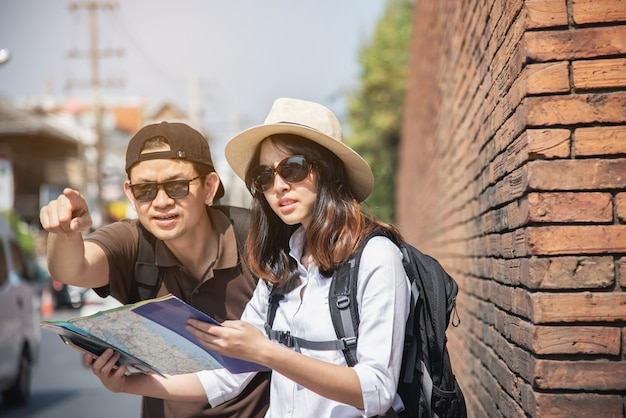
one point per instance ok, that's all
(47, 303)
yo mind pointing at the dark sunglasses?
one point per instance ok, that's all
(293, 169)
(175, 189)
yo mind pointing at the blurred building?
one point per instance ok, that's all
(34, 152)
(48, 145)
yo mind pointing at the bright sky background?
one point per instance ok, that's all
(244, 53)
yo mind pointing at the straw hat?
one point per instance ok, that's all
(311, 121)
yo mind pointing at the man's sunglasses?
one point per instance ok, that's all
(293, 169)
(175, 189)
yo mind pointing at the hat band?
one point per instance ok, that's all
(171, 155)
(162, 155)
(330, 135)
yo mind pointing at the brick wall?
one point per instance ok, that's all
(513, 174)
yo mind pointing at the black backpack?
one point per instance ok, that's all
(427, 386)
(148, 276)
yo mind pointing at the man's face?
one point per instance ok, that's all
(168, 217)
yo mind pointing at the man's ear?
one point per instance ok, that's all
(129, 194)
(211, 183)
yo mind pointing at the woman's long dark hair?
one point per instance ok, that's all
(337, 227)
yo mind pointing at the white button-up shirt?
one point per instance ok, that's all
(383, 297)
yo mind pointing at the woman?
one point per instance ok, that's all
(306, 222)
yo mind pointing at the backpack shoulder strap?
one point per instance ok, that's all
(240, 218)
(147, 276)
(343, 306)
(342, 300)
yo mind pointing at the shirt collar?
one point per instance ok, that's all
(296, 243)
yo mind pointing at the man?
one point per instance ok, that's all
(171, 184)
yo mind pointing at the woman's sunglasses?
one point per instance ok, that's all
(175, 189)
(293, 169)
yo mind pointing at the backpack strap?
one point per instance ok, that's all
(411, 339)
(342, 303)
(344, 310)
(147, 276)
(240, 219)
(285, 337)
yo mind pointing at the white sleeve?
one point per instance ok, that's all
(383, 296)
(220, 385)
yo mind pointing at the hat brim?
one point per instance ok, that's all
(240, 149)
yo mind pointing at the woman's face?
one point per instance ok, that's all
(292, 202)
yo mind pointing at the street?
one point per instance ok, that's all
(64, 388)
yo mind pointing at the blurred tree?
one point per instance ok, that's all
(25, 237)
(376, 108)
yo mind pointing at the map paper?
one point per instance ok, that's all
(150, 336)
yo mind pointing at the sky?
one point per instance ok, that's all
(230, 57)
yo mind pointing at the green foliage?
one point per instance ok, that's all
(25, 238)
(376, 108)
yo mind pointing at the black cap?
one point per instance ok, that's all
(185, 144)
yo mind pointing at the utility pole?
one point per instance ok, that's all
(94, 54)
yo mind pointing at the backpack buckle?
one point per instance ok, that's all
(343, 302)
(348, 342)
(285, 338)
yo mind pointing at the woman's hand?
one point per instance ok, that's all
(237, 339)
(112, 376)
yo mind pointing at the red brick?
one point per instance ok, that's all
(580, 375)
(620, 207)
(621, 265)
(591, 174)
(510, 216)
(548, 143)
(512, 157)
(568, 405)
(568, 207)
(576, 239)
(512, 186)
(598, 11)
(575, 109)
(547, 78)
(576, 340)
(545, 13)
(603, 73)
(601, 140)
(559, 45)
(578, 307)
(569, 272)
(623, 342)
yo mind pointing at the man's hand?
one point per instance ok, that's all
(67, 214)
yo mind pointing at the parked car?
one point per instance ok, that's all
(20, 332)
